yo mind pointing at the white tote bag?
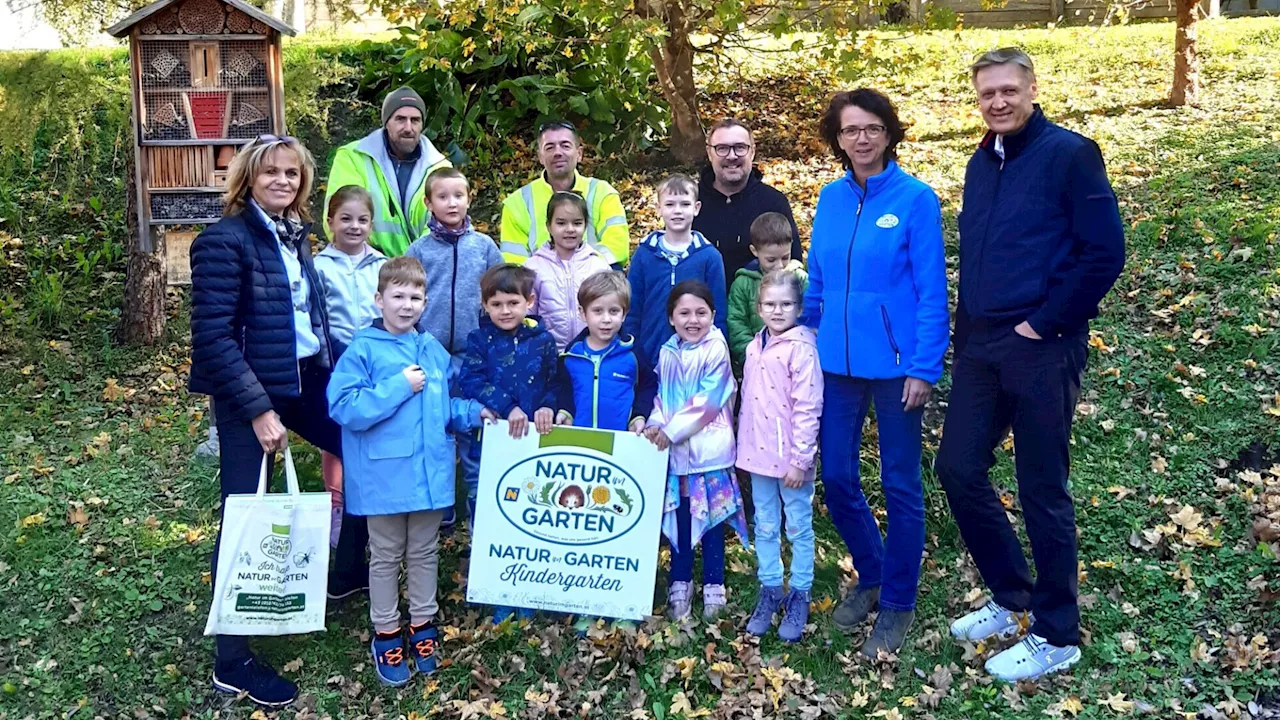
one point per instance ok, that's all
(273, 561)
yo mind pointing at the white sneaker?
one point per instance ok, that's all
(990, 619)
(1032, 658)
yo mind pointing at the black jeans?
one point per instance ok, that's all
(1032, 386)
(241, 459)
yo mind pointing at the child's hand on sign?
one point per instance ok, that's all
(637, 426)
(519, 423)
(416, 377)
(657, 437)
(564, 418)
(487, 415)
(543, 419)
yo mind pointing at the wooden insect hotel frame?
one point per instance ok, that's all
(207, 79)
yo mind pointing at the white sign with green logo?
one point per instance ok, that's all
(568, 521)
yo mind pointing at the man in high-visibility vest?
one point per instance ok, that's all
(392, 163)
(524, 212)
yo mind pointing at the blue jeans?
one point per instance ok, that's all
(892, 563)
(682, 551)
(771, 498)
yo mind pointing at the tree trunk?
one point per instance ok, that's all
(673, 63)
(144, 288)
(1186, 64)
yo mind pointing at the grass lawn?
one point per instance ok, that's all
(107, 524)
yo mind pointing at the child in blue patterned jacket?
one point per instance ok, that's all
(511, 364)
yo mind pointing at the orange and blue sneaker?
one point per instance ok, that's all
(423, 643)
(388, 659)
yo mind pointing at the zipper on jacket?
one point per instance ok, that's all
(453, 295)
(986, 231)
(888, 330)
(848, 273)
(595, 391)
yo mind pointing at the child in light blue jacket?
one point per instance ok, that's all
(390, 394)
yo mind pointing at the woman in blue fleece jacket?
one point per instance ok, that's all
(878, 298)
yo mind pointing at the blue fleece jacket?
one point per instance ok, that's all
(397, 453)
(653, 272)
(606, 389)
(877, 290)
(503, 370)
(1041, 238)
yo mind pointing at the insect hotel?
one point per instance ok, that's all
(206, 78)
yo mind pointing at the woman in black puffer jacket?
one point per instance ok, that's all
(260, 347)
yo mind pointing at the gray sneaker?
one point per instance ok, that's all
(212, 447)
(679, 600)
(888, 633)
(795, 615)
(714, 598)
(855, 607)
(768, 604)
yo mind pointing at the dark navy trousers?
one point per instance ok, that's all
(1000, 381)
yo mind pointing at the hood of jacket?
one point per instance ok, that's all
(581, 255)
(653, 242)
(798, 334)
(333, 253)
(530, 326)
(675, 344)
(621, 343)
(375, 146)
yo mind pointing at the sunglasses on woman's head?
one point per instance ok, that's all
(272, 139)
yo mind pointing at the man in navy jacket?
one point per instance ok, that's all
(1041, 243)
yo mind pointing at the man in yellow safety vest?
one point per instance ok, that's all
(392, 163)
(524, 212)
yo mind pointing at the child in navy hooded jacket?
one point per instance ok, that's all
(510, 366)
(666, 258)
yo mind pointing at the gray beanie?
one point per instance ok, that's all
(400, 98)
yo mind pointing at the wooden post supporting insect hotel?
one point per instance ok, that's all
(206, 79)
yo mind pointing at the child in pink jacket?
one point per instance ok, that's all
(777, 442)
(561, 265)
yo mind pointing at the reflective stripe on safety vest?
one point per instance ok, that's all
(386, 228)
(526, 192)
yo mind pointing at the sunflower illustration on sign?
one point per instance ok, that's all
(580, 496)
